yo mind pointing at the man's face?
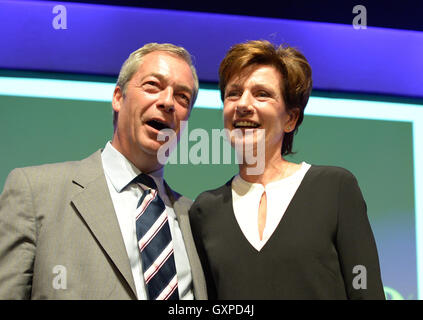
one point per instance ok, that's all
(158, 96)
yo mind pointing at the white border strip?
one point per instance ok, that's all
(56, 89)
(318, 106)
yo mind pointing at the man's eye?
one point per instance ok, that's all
(151, 84)
(185, 98)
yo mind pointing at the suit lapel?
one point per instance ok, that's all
(181, 206)
(95, 206)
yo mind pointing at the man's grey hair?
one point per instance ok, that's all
(131, 65)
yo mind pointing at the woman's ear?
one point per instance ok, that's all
(293, 116)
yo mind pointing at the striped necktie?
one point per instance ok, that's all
(155, 243)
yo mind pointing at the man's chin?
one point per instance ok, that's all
(150, 149)
(160, 150)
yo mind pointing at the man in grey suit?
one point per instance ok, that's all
(67, 230)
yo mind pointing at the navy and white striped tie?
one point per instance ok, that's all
(155, 243)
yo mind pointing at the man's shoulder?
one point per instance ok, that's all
(48, 168)
(182, 199)
(51, 171)
(177, 197)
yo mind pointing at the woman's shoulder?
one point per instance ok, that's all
(329, 169)
(214, 194)
(330, 172)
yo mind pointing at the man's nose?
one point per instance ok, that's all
(166, 101)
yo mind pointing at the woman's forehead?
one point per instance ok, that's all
(260, 74)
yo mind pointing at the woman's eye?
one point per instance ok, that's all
(232, 94)
(262, 94)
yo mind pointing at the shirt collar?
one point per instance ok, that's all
(242, 186)
(121, 171)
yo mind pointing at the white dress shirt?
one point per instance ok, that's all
(119, 172)
(246, 198)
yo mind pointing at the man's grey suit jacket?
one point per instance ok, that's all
(60, 237)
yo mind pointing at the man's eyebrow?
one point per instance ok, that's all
(178, 87)
(153, 74)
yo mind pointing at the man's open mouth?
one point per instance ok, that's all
(158, 125)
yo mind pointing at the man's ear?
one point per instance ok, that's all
(293, 116)
(117, 99)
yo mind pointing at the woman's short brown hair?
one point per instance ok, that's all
(291, 63)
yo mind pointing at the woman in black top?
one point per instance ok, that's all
(280, 230)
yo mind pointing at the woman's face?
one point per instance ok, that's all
(253, 100)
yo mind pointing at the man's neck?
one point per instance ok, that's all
(144, 162)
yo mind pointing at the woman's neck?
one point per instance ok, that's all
(275, 168)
